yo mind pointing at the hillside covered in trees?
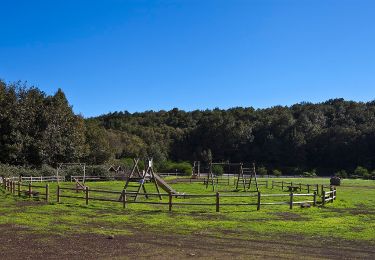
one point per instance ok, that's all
(37, 129)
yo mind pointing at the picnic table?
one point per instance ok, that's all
(293, 188)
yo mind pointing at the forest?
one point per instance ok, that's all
(37, 129)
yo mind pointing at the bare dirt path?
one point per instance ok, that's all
(18, 243)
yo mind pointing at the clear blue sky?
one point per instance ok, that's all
(149, 55)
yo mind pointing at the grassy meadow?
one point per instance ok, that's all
(350, 217)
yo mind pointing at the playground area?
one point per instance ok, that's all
(242, 190)
(144, 215)
(105, 229)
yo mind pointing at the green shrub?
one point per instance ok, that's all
(262, 171)
(309, 174)
(362, 172)
(171, 167)
(218, 170)
(47, 170)
(277, 172)
(342, 174)
(98, 170)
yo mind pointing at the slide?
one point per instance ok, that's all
(162, 184)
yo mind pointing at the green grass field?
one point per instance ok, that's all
(350, 217)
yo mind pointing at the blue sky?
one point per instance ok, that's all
(149, 55)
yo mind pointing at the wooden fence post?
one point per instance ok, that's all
(331, 194)
(87, 195)
(291, 201)
(317, 188)
(282, 185)
(258, 204)
(47, 193)
(14, 187)
(124, 199)
(272, 184)
(322, 186)
(11, 187)
(30, 190)
(300, 187)
(323, 198)
(217, 202)
(308, 188)
(19, 189)
(334, 197)
(170, 201)
(314, 198)
(58, 194)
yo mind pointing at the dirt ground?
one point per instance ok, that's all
(18, 243)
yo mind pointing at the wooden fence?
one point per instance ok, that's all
(38, 179)
(43, 192)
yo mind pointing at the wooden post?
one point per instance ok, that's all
(19, 189)
(300, 187)
(87, 195)
(47, 193)
(323, 198)
(308, 188)
(317, 189)
(272, 185)
(322, 188)
(331, 194)
(170, 201)
(124, 199)
(291, 201)
(217, 202)
(334, 197)
(14, 187)
(282, 185)
(58, 194)
(30, 190)
(314, 198)
(258, 204)
(10, 186)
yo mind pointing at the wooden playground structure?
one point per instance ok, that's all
(135, 181)
(245, 176)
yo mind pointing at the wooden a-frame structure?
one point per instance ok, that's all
(135, 181)
(246, 182)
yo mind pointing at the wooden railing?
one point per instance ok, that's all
(257, 199)
(37, 179)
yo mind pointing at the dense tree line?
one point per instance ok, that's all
(328, 137)
(37, 129)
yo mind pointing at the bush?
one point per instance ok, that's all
(171, 167)
(372, 175)
(262, 171)
(342, 174)
(97, 170)
(218, 170)
(277, 172)
(362, 172)
(47, 170)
